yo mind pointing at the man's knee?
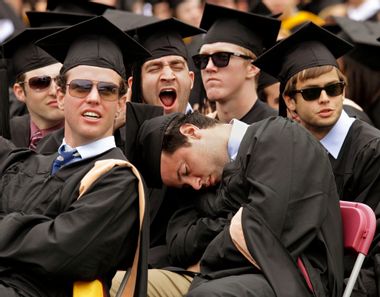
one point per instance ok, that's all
(164, 283)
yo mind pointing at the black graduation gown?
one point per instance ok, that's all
(49, 239)
(356, 113)
(258, 112)
(357, 174)
(20, 130)
(283, 179)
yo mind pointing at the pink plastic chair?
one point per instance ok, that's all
(359, 226)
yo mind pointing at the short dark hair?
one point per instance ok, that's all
(20, 80)
(174, 139)
(62, 81)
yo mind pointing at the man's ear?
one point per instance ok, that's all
(60, 99)
(192, 77)
(252, 71)
(190, 131)
(130, 82)
(290, 102)
(19, 92)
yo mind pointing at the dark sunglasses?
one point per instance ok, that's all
(219, 59)
(310, 94)
(39, 83)
(80, 88)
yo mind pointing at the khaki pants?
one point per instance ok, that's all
(161, 283)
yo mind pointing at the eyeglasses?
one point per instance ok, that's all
(310, 94)
(219, 59)
(39, 83)
(80, 88)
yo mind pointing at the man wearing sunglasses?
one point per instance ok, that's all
(52, 236)
(313, 90)
(233, 41)
(33, 76)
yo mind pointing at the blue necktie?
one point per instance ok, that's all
(64, 158)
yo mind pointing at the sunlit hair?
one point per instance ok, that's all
(310, 73)
(174, 139)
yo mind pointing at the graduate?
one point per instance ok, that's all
(31, 74)
(313, 89)
(233, 40)
(277, 202)
(51, 238)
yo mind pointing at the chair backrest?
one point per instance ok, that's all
(359, 226)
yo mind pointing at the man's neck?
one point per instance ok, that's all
(235, 108)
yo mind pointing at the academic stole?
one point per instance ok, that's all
(95, 288)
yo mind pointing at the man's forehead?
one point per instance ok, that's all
(165, 59)
(219, 46)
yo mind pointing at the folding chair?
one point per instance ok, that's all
(359, 226)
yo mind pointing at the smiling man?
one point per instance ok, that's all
(62, 239)
(313, 89)
(165, 78)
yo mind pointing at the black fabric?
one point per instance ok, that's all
(87, 238)
(54, 19)
(20, 130)
(4, 99)
(148, 161)
(288, 212)
(127, 20)
(164, 37)
(77, 6)
(356, 113)
(136, 114)
(308, 47)
(358, 179)
(189, 223)
(258, 112)
(90, 43)
(363, 35)
(24, 55)
(251, 31)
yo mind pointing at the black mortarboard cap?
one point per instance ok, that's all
(164, 37)
(149, 148)
(310, 46)
(265, 80)
(257, 6)
(24, 55)
(363, 34)
(126, 20)
(55, 19)
(252, 31)
(77, 6)
(96, 42)
(136, 115)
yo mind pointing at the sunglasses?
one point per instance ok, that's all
(80, 88)
(219, 59)
(39, 83)
(310, 94)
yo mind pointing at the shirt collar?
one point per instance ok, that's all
(34, 129)
(333, 140)
(189, 109)
(93, 148)
(237, 133)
